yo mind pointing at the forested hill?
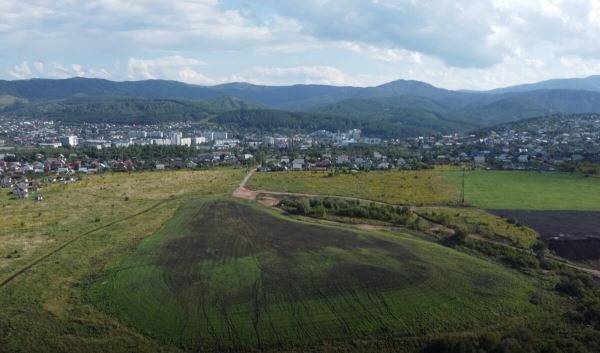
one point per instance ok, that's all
(399, 108)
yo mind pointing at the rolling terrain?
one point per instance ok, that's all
(225, 275)
(169, 262)
(397, 109)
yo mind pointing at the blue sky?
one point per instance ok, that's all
(460, 44)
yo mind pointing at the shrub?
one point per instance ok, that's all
(460, 235)
(420, 225)
(575, 286)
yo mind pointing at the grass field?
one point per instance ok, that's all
(225, 275)
(483, 189)
(396, 187)
(44, 309)
(480, 222)
(530, 190)
(168, 262)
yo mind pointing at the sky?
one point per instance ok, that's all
(455, 44)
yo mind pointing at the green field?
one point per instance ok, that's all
(226, 275)
(44, 309)
(483, 189)
(529, 190)
(396, 187)
(169, 262)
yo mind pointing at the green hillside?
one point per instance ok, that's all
(224, 275)
(395, 109)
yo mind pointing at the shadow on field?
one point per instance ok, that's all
(225, 231)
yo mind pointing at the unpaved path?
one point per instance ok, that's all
(269, 198)
(40, 259)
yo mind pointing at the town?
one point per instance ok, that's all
(58, 150)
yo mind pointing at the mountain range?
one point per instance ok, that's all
(399, 108)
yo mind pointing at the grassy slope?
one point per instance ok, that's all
(426, 187)
(482, 223)
(44, 310)
(530, 190)
(244, 285)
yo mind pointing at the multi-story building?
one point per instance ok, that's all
(176, 138)
(69, 141)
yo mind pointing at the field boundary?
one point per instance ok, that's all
(252, 195)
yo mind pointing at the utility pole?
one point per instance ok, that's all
(462, 190)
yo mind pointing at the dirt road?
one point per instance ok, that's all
(269, 198)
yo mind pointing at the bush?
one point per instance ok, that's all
(296, 206)
(460, 235)
(420, 225)
(575, 286)
(317, 207)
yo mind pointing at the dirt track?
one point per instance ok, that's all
(269, 198)
(35, 262)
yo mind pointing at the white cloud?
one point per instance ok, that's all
(39, 66)
(385, 54)
(21, 71)
(451, 43)
(306, 75)
(174, 67)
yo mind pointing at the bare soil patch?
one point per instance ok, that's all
(574, 235)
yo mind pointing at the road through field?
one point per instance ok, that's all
(244, 193)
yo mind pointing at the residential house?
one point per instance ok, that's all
(524, 158)
(322, 165)
(298, 164)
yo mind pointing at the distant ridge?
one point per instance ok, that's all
(397, 108)
(590, 83)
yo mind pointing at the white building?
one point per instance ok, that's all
(227, 143)
(137, 134)
(176, 138)
(298, 164)
(198, 140)
(161, 142)
(50, 144)
(208, 136)
(155, 134)
(212, 136)
(220, 135)
(186, 141)
(69, 141)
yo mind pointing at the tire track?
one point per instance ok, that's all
(13, 276)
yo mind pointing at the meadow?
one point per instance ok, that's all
(476, 221)
(102, 219)
(429, 187)
(228, 276)
(169, 262)
(441, 187)
(529, 190)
